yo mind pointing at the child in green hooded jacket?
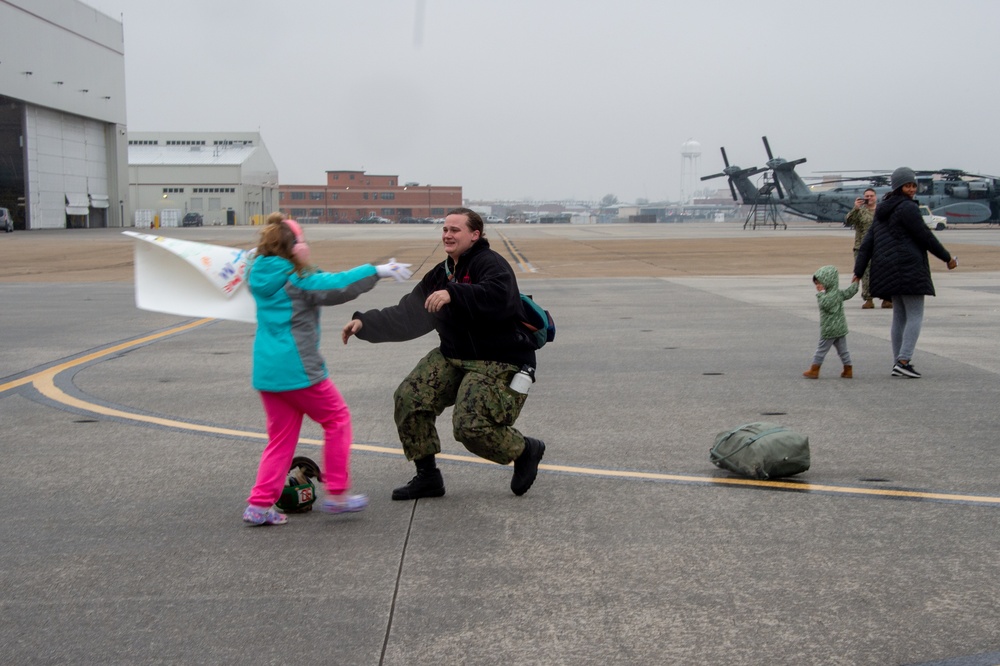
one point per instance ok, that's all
(832, 321)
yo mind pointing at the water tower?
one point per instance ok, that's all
(690, 156)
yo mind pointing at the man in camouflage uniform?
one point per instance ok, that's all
(473, 302)
(861, 219)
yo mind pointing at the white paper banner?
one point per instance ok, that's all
(191, 279)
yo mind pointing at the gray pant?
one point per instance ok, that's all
(824, 346)
(907, 320)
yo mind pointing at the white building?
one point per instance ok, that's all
(63, 151)
(228, 177)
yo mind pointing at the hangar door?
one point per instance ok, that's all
(67, 160)
(12, 159)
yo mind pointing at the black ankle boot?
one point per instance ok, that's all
(526, 465)
(427, 483)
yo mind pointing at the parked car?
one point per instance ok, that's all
(493, 219)
(373, 219)
(193, 220)
(6, 221)
(935, 222)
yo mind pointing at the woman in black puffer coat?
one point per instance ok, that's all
(897, 245)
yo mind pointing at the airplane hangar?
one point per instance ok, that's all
(67, 159)
(63, 149)
(227, 178)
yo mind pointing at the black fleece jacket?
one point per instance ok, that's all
(897, 244)
(480, 323)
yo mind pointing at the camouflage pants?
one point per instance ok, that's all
(484, 414)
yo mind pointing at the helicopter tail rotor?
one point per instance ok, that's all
(732, 173)
(770, 158)
(778, 164)
(725, 172)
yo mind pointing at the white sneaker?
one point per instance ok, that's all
(343, 503)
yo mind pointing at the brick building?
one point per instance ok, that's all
(349, 196)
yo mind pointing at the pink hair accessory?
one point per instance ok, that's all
(300, 249)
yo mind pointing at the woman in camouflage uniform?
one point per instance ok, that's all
(472, 300)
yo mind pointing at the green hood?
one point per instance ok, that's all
(829, 277)
(832, 322)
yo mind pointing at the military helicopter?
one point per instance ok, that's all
(786, 187)
(960, 196)
(763, 206)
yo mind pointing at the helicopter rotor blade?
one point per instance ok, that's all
(725, 160)
(777, 186)
(823, 180)
(770, 157)
(732, 190)
(871, 171)
(767, 147)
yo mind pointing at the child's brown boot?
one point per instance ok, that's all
(848, 372)
(812, 372)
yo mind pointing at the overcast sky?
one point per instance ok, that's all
(561, 99)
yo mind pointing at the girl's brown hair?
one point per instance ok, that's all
(277, 240)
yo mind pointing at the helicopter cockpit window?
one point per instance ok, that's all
(925, 187)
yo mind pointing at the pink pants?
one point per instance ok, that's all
(323, 404)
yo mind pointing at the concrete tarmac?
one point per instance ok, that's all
(131, 439)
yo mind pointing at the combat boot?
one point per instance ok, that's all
(812, 372)
(526, 465)
(427, 483)
(868, 304)
(848, 372)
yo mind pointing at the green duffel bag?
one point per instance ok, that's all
(761, 451)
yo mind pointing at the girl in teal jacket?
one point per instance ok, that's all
(289, 370)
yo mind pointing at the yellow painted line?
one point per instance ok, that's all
(46, 386)
(518, 257)
(727, 481)
(56, 369)
(44, 382)
(777, 485)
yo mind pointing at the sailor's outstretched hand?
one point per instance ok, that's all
(400, 272)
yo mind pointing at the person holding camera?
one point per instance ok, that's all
(473, 302)
(860, 218)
